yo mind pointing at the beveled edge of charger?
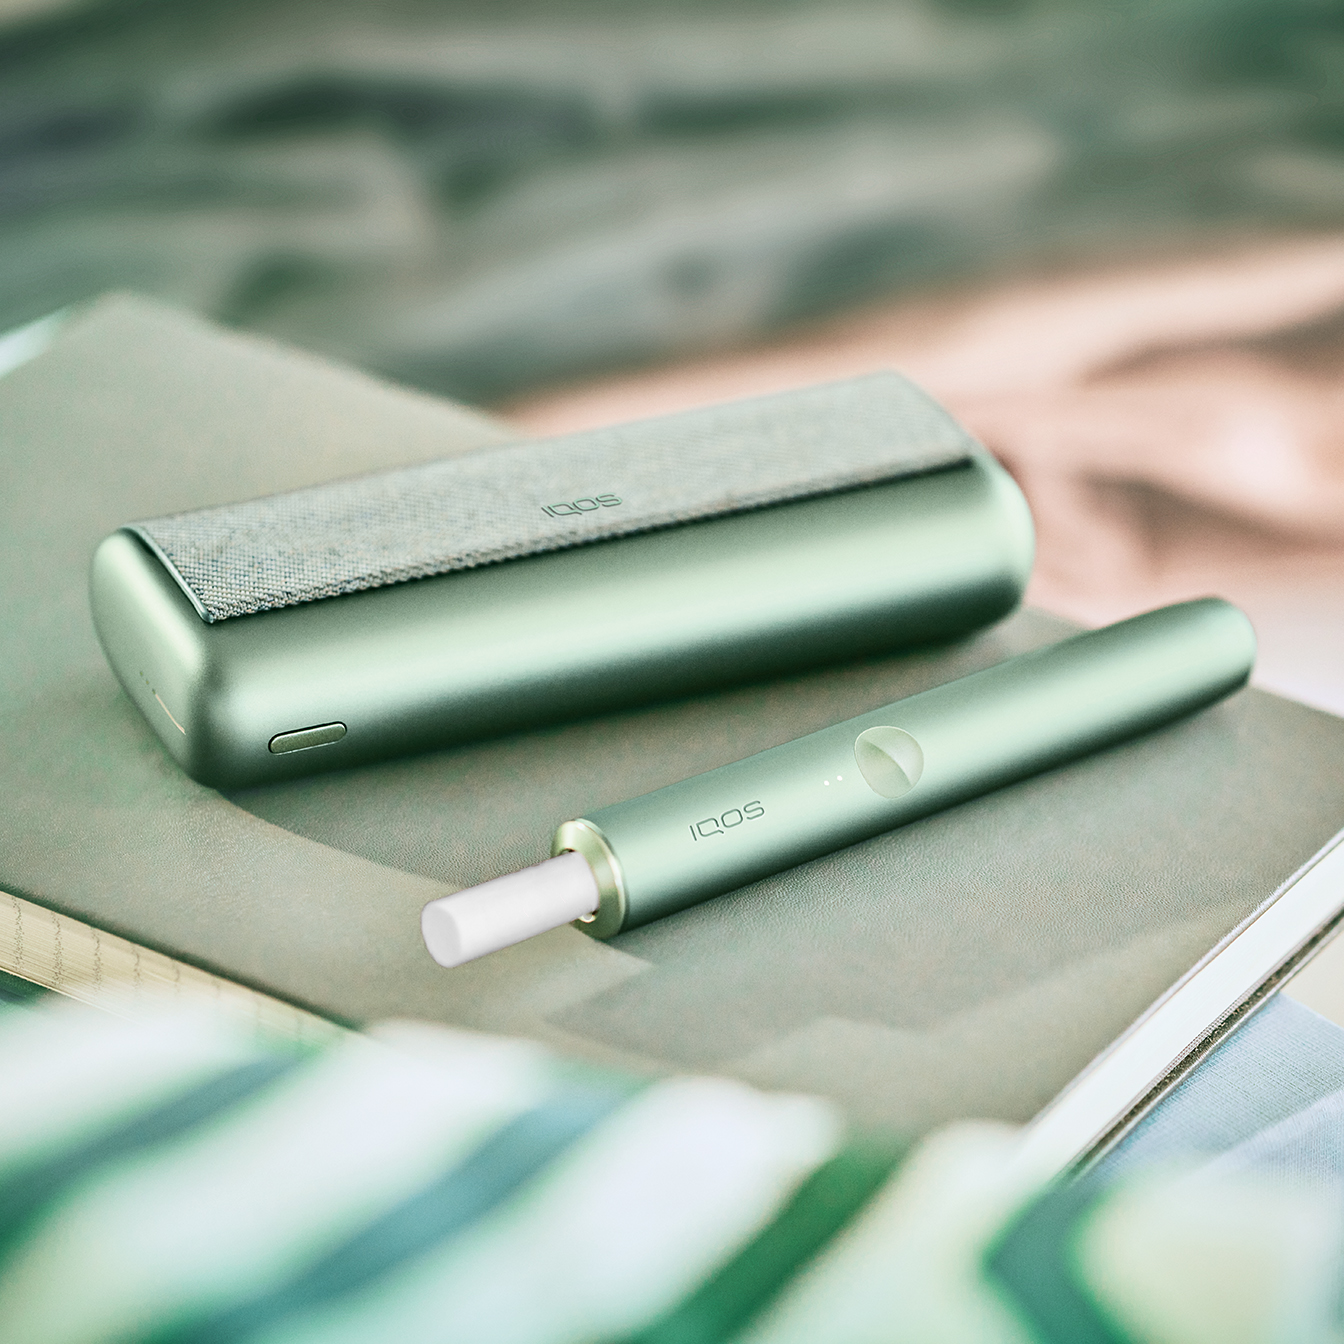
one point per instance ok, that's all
(157, 551)
(582, 837)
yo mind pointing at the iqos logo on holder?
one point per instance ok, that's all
(573, 507)
(732, 818)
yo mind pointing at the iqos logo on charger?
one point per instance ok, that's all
(576, 506)
(734, 816)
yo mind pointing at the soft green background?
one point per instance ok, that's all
(478, 197)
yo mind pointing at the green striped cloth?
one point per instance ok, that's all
(176, 1181)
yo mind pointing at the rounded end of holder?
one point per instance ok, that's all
(499, 913)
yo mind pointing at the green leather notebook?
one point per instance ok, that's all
(969, 964)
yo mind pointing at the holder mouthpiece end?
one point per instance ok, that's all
(483, 919)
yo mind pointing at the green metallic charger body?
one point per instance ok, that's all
(614, 623)
(679, 845)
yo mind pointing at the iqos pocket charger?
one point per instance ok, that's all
(637, 861)
(528, 584)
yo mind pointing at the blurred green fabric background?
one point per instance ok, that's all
(481, 198)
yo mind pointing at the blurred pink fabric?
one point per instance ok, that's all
(1178, 426)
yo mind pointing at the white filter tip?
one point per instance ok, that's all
(499, 913)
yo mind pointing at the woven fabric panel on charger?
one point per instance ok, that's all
(549, 494)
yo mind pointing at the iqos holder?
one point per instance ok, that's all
(625, 865)
(540, 581)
